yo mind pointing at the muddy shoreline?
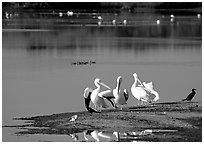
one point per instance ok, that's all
(185, 119)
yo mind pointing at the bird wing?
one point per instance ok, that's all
(190, 96)
(126, 95)
(106, 94)
(87, 102)
(87, 91)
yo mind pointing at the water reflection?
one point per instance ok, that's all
(110, 136)
(106, 44)
(75, 137)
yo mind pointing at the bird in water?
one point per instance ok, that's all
(97, 97)
(120, 97)
(190, 96)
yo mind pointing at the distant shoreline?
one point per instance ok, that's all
(115, 7)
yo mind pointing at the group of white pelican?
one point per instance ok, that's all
(142, 91)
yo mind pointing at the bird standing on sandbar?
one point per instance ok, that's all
(120, 97)
(143, 93)
(190, 96)
(97, 97)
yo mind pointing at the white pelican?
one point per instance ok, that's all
(140, 92)
(96, 96)
(119, 97)
(153, 94)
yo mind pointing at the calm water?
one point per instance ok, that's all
(38, 53)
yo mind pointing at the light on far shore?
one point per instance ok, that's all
(158, 22)
(198, 16)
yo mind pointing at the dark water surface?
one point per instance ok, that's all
(40, 57)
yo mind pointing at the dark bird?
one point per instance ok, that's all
(190, 96)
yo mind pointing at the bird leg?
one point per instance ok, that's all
(138, 103)
(100, 108)
(96, 108)
(115, 106)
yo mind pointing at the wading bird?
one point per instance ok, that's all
(153, 95)
(120, 97)
(190, 96)
(143, 92)
(97, 97)
(73, 118)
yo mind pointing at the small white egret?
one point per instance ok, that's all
(73, 118)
